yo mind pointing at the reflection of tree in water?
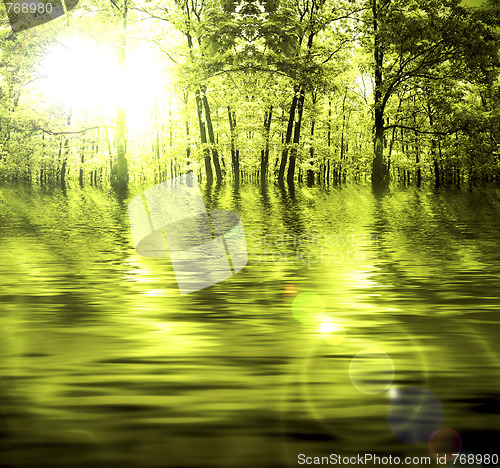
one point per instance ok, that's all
(422, 238)
(212, 194)
(122, 344)
(290, 210)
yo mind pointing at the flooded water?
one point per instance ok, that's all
(361, 325)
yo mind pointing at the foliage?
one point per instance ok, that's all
(325, 73)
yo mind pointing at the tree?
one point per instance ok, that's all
(409, 42)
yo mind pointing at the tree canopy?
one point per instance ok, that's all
(319, 90)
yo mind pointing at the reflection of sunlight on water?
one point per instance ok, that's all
(333, 332)
(393, 392)
(154, 292)
(140, 276)
(361, 279)
(329, 327)
(103, 345)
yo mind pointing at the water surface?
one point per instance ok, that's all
(105, 364)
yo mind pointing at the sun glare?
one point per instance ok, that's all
(86, 76)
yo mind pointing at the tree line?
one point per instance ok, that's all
(321, 91)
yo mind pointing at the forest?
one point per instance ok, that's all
(315, 91)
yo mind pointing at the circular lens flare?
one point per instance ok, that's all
(414, 414)
(371, 371)
(308, 308)
(444, 441)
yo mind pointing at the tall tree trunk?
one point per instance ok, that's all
(288, 135)
(82, 162)
(59, 159)
(298, 122)
(416, 148)
(437, 175)
(342, 139)
(188, 145)
(329, 140)
(65, 154)
(264, 162)
(199, 104)
(42, 163)
(203, 137)
(208, 119)
(188, 148)
(393, 136)
(120, 171)
(310, 172)
(378, 167)
(235, 156)
(296, 136)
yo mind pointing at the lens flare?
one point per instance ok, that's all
(308, 308)
(444, 441)
(289, 291)
(414, 414)
(371, 371)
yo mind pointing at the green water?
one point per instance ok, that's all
(105, 364)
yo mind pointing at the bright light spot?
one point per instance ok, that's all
(361, 279)
(393, 392)
(82, 74)
(154, 292)
(327, 327)
(161, 327)
(334, 333)
(79, 74)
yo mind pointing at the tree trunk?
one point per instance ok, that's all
(188, 149)
(82, 162)
(437, 175)
(378, 167)
(119, 175)
(418, 176)
(235, 157)
(203, 137)
(310, 172)
(288, 135)
(65, 157)
(188, 144)
(208, 119)
(264, 163)
(296, 136)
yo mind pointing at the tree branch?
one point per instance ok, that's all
(404, 127)
(50, 132)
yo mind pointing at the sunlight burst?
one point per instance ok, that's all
(85, 76)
